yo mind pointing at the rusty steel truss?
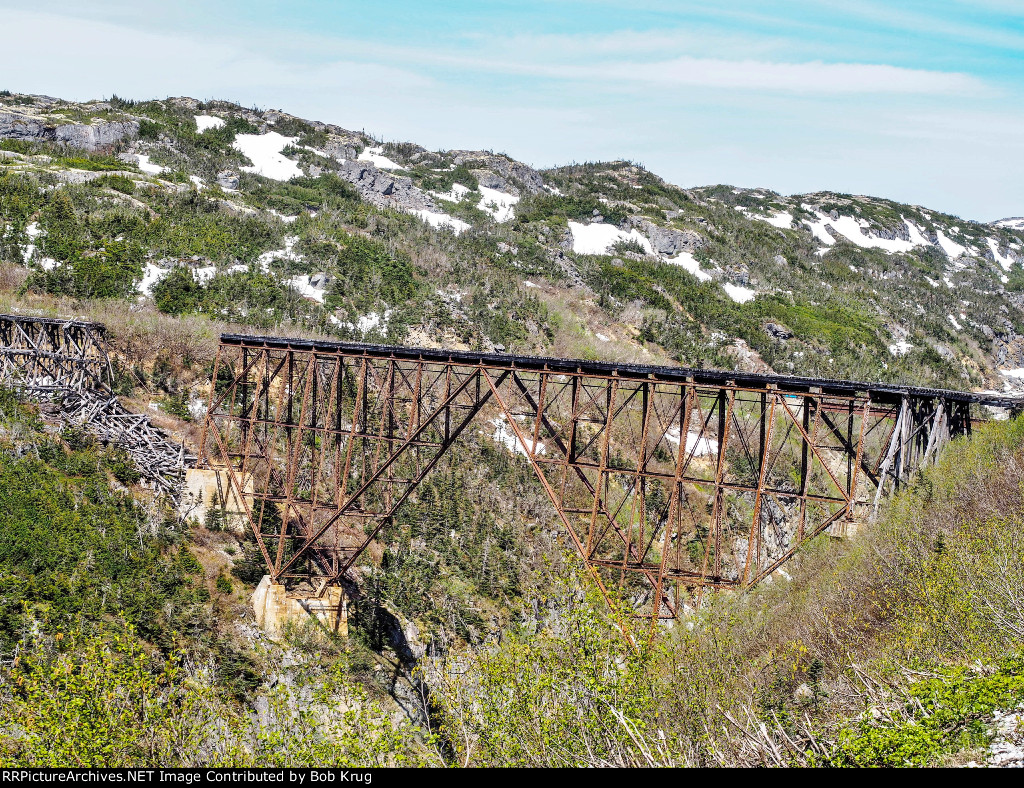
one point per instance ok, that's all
(667, 481)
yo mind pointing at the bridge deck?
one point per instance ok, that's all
(879, 392)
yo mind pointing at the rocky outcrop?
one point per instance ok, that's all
(666, 240)
(91, 137)
(777, 331)
(384, 190)
(898, 233)
(509, 169)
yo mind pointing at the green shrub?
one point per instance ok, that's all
(118, 183)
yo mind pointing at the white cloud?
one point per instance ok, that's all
(815, 77)
(169, 63)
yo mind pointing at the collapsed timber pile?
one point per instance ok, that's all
(63, 365)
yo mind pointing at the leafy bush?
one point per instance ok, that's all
(943, 714)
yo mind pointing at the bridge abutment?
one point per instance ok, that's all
(279, 612)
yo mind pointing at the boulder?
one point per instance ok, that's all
(227, 180)
(777, 331)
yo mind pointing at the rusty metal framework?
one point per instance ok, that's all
(668, 481)
(64, 365)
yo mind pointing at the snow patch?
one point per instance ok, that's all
(782, 220)
(207, 122)
(596, 238)
(204, 274)
(439, 220)
(373, 320)
(455, 195)
(506, 436)
(264, 150)
(952, 249)
(288, 253)
(956, 325)
(696, 444)
(377, 159)
(150, 277)
(739, 294)
(283, 218)
(1003, 260)
(498, 204)
(602, 337)
(147, 166)
(1016, 223)
(900, 348)
(197, 181)
(301, 285)
(689, 262)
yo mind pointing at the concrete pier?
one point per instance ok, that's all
(277, 610)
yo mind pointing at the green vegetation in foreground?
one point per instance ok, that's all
(892, 649)
(113, 652)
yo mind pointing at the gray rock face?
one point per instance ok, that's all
(339, 150)
(384, 190)
(508, 169)
(14, 125)
(492, 180)
(666, 240)
(96, 136)
(900, 232)
(569, 269)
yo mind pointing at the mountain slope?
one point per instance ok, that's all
(264, 218)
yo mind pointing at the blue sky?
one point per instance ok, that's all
(918, 101)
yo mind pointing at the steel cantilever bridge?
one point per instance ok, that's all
(668, 481)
